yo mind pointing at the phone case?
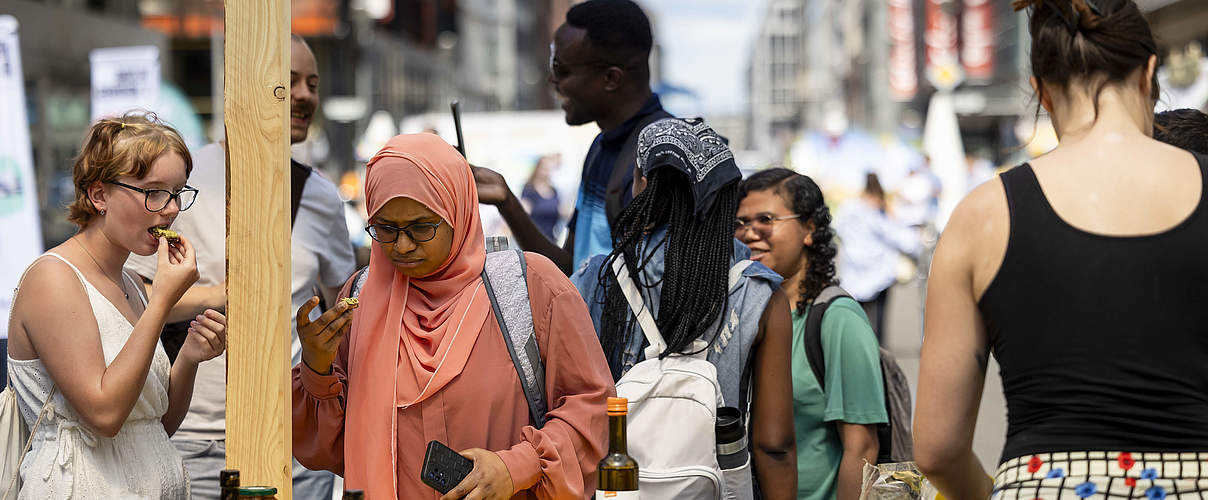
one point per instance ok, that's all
(443, 468)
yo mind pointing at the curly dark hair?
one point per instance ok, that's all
(696, 262)
(804, 198)
(1183, 128)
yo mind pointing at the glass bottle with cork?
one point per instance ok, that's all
(618, 471)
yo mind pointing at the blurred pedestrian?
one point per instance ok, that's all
(85, 357)
(423, 358)
(677, 240)
(871, 243)
(321, 260)
(1183, 128)
(1083, 271)
(600, 67)
(540, 198)
(785, 222)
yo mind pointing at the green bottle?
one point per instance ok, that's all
(618, 471)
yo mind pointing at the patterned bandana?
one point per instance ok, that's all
(692, 148)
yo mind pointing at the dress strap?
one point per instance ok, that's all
(79, 274)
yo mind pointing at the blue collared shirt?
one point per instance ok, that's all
(589, 224)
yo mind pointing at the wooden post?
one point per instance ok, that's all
(256, 108)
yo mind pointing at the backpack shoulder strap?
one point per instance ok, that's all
(505, 276)
(813, 331)
(636, 305)
(622, 165)
(298, 173)
(358, 282)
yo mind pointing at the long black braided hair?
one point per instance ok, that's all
(804, 198)
(696, 264)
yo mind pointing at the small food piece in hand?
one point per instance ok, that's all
(170, 235)
(352, 302)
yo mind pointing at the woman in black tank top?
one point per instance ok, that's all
(1085, 273)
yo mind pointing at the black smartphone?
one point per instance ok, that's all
(443, 468)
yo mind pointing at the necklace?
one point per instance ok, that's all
(102, 270)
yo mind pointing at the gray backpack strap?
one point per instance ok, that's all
(505, 277)
(358, 282)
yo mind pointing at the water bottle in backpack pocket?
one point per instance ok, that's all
(732, 454)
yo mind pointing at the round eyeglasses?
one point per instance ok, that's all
(762, 223)
(418, 232)
(158, 199)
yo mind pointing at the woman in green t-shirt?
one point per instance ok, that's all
(786, 224)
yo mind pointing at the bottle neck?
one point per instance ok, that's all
(616, 434)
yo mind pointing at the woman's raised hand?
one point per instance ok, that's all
(207, 337)
(321, 338)
(175, 272)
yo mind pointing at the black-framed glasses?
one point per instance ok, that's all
(418, 232)
(762, 223)
(158, 199)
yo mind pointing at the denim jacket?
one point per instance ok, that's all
(731, 353)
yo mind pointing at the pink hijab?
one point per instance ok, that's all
(419, 329)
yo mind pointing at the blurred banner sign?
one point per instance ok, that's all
(22, 239)
(123, 79)
(903, 73)
(977, 39)
(940, 38)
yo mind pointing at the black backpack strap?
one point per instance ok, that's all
(298, 173)
(622, 166)
(505, 276)
(813, 331)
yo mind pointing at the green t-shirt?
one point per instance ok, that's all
(854, 394)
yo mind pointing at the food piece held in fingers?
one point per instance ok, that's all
(170, 235)
(352, 302)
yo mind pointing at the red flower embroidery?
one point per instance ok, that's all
(1034, 464)
(1125, 460)
(1130, 481)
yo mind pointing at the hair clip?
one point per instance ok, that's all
(123, 125)
(1094, 8)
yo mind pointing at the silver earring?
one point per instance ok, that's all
(102, 211)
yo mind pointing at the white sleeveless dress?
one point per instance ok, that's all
(70, 460)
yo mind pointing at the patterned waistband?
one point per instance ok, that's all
(1108, 464)
(1103, 475)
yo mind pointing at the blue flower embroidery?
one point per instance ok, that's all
(1057, 473)
(1150, 473)
(1156, 493)
(1086, 489)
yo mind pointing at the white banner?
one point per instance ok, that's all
(124, 79)
(20, 230)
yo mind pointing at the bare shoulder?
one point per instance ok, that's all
(776, 318)
(48, 278)
(975, 239)
(50, 294)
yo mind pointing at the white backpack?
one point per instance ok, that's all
(673, 406)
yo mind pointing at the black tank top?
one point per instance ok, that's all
(1102, 340)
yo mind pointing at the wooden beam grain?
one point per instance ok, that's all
(256, 109)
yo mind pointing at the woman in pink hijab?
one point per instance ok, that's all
(423, 357)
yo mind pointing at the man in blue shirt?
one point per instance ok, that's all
(599, 65)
